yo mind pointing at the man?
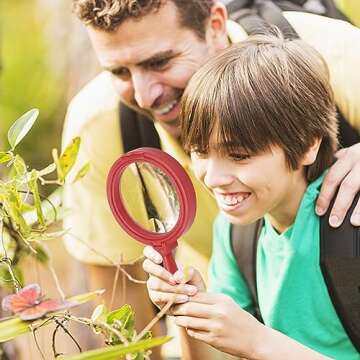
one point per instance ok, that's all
(149, 50)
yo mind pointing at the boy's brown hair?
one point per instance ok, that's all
(265, 91)
(108, 15)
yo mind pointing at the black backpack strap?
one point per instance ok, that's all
(244, 240)
(348, 135)
(137, 130)
(340, 265)
(260, 16)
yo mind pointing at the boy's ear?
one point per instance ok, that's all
(310, 156)
(216, 33)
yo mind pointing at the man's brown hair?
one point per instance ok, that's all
(107, 15)
(263, 92)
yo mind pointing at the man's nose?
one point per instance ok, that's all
(217, 175)
(146, 90)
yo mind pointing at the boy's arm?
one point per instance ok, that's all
(218, 321)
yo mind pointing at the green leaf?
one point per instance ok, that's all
(13, 205)
(41, 255)
(82, 172)
(4, 157)
(6, 280)
(21, 127)
(98, 313)
(33, 186)
(68, 157)
(119, 314)
(114, 352)
(19, 165)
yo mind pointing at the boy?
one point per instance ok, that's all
(259, 122)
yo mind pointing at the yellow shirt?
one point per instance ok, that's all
(94, 236)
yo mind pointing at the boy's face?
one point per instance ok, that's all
(247, 188)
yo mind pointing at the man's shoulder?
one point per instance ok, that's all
(96, 97)
(320, 29)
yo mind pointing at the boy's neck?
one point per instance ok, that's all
(284, 214)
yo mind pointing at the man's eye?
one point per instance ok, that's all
(158, 64)
(121, 73)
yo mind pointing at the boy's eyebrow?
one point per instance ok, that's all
(156, 57)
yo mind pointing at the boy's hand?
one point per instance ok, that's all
(163, 286)
(217, 320)
(345, 172)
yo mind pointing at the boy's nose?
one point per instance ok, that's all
(217, 176)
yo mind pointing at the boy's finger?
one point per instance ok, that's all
(192, 309)
(192, 323)
(161, 298)
(152, 254)
(158, 271)
(156, 284)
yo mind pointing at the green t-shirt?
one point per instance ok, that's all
(293, 297)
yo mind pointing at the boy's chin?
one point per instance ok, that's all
(241, 220)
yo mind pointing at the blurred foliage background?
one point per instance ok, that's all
(351, 8)
(40, 41)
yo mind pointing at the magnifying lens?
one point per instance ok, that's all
(152, 198)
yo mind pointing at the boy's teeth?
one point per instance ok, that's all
(167, 108)
(232, 200)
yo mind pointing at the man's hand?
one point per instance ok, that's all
(346, 173)
(163, 286)
(218, 321)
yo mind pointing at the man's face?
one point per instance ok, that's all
(151, 61)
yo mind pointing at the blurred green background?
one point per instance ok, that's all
(31, 77)
(40, 40)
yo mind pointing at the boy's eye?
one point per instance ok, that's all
(238, 157)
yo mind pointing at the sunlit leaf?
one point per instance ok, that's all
(13, 204)
(48, 170)
(82, 172)
(19, 166)
(117, 351)
(68, 157)
(21, 127)
(4, 157)
(33, 186)
(58, 165)
(119, 314)
(98, 313)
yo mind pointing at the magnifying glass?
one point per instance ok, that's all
(152, 198)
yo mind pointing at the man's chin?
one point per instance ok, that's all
(173, 128)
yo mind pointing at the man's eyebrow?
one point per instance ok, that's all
(158, 56)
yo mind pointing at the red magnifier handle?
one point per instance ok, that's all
(169, 263)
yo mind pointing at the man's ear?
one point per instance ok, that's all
(310, 156)
(216, 32)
